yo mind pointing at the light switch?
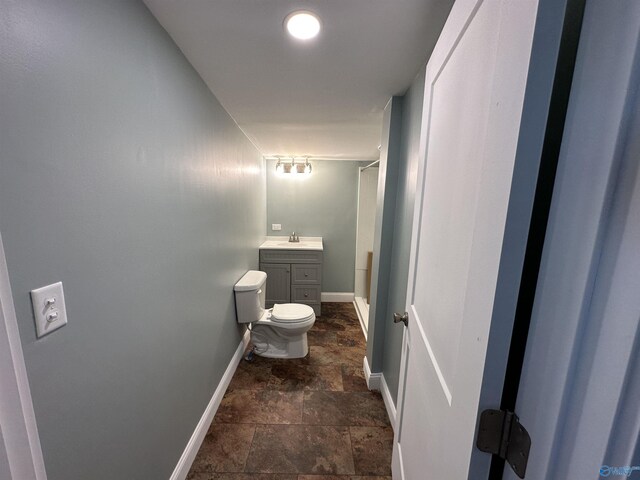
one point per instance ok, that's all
(49, 308)
(276, 226)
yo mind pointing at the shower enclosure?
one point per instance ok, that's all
(367, 190)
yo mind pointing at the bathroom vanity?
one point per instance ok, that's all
(294, 271)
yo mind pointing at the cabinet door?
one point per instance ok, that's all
(278, 283)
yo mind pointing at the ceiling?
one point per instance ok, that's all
(322, 98)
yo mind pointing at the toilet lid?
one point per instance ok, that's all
(291, 312)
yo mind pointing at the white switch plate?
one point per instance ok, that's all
(49, 308)
(276, 226)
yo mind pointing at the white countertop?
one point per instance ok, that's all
(283, 243)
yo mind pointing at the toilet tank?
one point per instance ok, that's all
(250, 296)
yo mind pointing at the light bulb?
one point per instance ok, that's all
(302, 25)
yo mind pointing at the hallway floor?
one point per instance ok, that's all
(306, 419)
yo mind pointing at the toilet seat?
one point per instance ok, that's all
(291, 313)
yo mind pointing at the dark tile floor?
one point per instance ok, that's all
(306, 419)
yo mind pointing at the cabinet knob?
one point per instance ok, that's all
(306, 294)
(306, 274)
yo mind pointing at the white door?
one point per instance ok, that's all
(20, 451)
(474, 92)
(5, 468)
(580, 384)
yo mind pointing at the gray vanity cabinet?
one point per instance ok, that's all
(293, 276)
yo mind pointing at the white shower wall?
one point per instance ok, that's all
(367, 190)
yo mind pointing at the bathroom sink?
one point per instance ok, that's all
(281, 243)
(301, 245)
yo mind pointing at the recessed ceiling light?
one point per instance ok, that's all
(302, 25)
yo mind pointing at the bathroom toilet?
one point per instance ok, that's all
(278, 332)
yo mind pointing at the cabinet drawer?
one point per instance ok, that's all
(290, 256)
(306, 274)
(305, 294)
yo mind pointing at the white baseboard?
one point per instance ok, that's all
(362, 309)
(376, 381)
(373, 379)
(188, 456)
(336, 297)
(388, 401)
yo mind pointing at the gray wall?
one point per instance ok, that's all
(383, 235)
(123, 177)
(403, 223)
(324, 204)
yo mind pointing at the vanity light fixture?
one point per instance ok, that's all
(292, 167)
(302, 25)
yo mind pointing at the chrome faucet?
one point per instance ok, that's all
(294, 238)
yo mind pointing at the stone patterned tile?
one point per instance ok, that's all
(338, 316)
(372, 448)
(260, 406)
(338, 324)
(353, 379)
(271, 400)
(321, 337)
(250, 376)
(340, 477)
(351, 338)
(334, 355)
(294, 377)
(242, 476)
(266, 361)
(224, 449)
(332, 324)
(344, 408)
(301, 449)
(339, 310)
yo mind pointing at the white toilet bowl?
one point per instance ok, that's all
(280, 332)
